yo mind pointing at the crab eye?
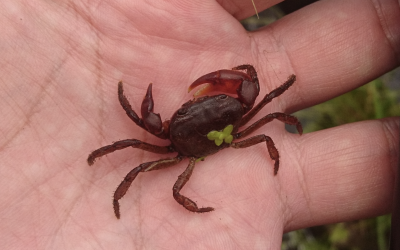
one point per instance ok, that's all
(182, 111)
(222, 97)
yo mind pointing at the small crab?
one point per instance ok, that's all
(201, 127)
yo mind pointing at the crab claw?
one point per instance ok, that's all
(151, 120)
(245, 85)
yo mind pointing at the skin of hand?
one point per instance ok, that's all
(60, 65)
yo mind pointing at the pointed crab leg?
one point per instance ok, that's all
(268, 98)
(183, 200)
(273, 152)
(130, 177)
(128, 143)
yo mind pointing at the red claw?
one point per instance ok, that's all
(226, 81)
(245, 85)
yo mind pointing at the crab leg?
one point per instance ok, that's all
(268, 98)
(183, 200)
(150, 121)
(288, 119)
(273, 152)
(128, 143)
(130, 177)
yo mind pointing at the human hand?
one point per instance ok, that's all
(61, 62)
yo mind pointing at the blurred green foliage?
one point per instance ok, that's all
(371, 101)
(369, 234)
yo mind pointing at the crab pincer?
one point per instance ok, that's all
(151, 120)
(245, 85)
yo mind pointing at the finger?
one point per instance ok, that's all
(344, 173)
(332, 47)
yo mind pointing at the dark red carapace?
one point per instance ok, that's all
(201, 127)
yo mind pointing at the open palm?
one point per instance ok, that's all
(60, 65)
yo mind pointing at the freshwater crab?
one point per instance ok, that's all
(201, 127)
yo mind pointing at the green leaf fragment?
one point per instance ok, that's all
(213, 135)
(218, 142)
(228, 139)
(221, 136)
(228, 130)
